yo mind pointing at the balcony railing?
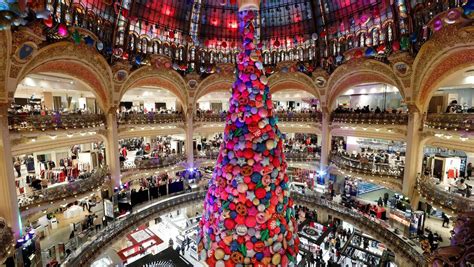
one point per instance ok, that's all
(89, 250)
(371, 118)
(282, 117)
(299, 116)
(448, 200)
(25, 123)
(79, 186)
(210, 117)
(301, 156)
(6, 239)
(149, 118)
(290, 156)
(376, 227)
(375, 169)
(153, 163)
(208, 154)
(451, 122)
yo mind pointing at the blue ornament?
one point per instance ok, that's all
(89, 41)
(370, 52)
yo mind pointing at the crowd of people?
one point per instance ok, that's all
(124, 111)
(40, 109)
(159, 149)
(302, 143)
(367, 109)
(454, 107)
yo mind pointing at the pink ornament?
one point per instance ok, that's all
(62, 30)
(437, 25)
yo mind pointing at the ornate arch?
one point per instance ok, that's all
(78, 61)
(293, 80)
(360, 71)
(448, 51)
(5, 51)
(213, 83)
(164, 78)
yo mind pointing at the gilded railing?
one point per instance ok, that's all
(28, 123)
(428, 188)
(451, 122)
(370, 118)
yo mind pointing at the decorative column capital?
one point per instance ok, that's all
(112, 110)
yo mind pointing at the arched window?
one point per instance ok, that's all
(211, 57)
(275, 56)
(375, 36)
(389, 32)
(57, 14)
(166, 50)
(131, 42)
(144, 45)
(362, 39)
(120, 38)
(180, 52)
(311, 53)
(192, 54)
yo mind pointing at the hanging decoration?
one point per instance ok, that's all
(248, 214)
(62, 30)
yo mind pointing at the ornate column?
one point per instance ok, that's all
(112, 150)
(189, 138)
(8, 198)
(248, 216)
(414, 151)
(325, 139)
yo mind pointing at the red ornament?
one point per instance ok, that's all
(276, 43)
(171, 34)
(395, 46)
(224, 44)
(381, 49)
(358, 54)
(48, 22)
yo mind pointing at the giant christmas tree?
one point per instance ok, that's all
(248, 214)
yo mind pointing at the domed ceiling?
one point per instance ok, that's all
(214, 22)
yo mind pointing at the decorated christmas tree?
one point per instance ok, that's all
(248, 214)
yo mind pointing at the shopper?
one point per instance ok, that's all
(17, 166)
(385, 199)
(380, 202)
(469, 170)
(445, 220)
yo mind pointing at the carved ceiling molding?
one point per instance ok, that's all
(466, 146)
(23, 144)
(5, 47)
(396, 134)
(159, 77)
(447, 51)
(292, 80)
(360, 71)
(78, 61)
(214, 83)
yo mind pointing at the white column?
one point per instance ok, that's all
(325, 140)
(113, 156)
(414, 153)
(8, 198)
(189, 138)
